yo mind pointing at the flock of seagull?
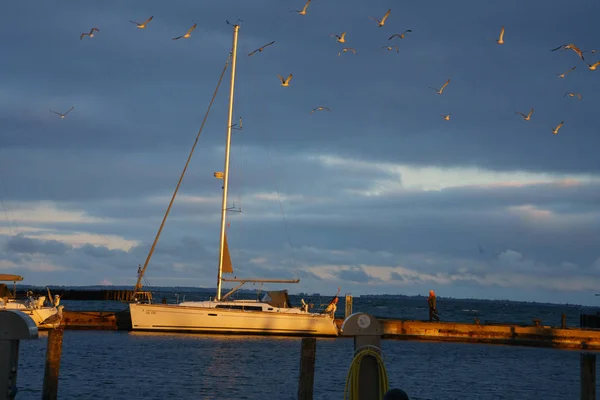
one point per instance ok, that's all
(341, 38)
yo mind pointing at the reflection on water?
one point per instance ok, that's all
(121, 365)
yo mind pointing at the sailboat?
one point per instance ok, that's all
(35, 307)
(273, 314)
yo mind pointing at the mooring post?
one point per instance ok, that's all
(306, 379)
(367, 332)
(588, 376)
(14, 327)
(563, 321)
(348, 303)
(51, 371)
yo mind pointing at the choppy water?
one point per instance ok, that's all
(119, 365)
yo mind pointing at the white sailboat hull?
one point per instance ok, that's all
(38, 315)
(183, 318)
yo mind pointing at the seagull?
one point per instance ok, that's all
(340, 38)
(345, 49)
(143, 24)
(439, 91)
(303, 11)
(592, 67)
(54, 319)
(320, 108)
(573, 95)
(525, 117)
(565, 73)
(446, 116)
(391, 48)
(382, 22)
(500, 39)
(399, 35)
(555, 130)
(285, 82)
(187, 34)
(570, 47)
(63, 115)
(91, 34)
(260, 49)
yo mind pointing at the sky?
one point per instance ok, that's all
(379, 195)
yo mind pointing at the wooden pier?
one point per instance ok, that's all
(536, 335)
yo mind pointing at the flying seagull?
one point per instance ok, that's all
(500, 39)
(440, 90)
(391, 48)
(63, 115)
(303, 11)
(446, 116)
(573, 95)
(90, 34)
(570, 47)
(320, 108)
(285, 82)
(260, 49)
(345, 49)
(525, 117)
(399, 35)
(187, 34)
(340, 38)
(382, 22)
(565, 73)
(555, 130)
(143, 24)
(592, 67)
(55, 319)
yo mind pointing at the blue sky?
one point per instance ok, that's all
(380, 195)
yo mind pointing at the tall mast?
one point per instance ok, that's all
(226, 169)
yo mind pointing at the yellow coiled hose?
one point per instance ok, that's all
(351, 389)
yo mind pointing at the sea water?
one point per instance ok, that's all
(123, 365)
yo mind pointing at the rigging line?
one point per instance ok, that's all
(138, 285)
(287, 231)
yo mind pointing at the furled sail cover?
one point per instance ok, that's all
(227, 268)
(278, 298)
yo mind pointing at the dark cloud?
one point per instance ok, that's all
(140, 97)
(25, 245)
(354, 274)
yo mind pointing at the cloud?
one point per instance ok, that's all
(25, 245)
(379, 196)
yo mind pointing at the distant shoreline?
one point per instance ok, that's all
(187, 289)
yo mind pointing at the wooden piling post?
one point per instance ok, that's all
(53, 353)
(348, 303)
(306, 379)
(563, 321)
(588, 376)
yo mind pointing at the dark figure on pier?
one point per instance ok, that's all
(433, 313)
(396, 394)
(164, 300)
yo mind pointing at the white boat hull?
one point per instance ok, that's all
(178, 318)
(38, 315)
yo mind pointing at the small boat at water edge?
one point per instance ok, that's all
(42, 314)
